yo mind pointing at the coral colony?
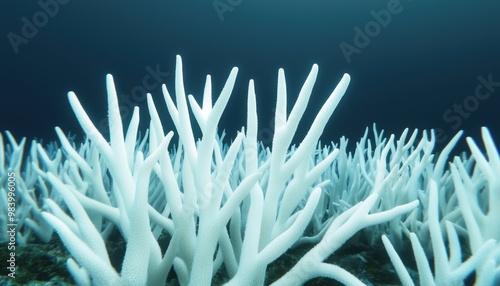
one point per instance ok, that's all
(238, 207)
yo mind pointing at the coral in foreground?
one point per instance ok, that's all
(241, 206)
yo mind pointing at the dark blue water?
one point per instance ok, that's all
(416, 64)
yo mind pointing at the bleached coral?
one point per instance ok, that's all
(241, 206)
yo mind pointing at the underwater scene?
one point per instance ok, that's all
(237, 142)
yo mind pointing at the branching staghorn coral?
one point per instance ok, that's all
(21, 202)
(203, 210)
(241, 206)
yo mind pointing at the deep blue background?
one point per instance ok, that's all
(425, 60)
